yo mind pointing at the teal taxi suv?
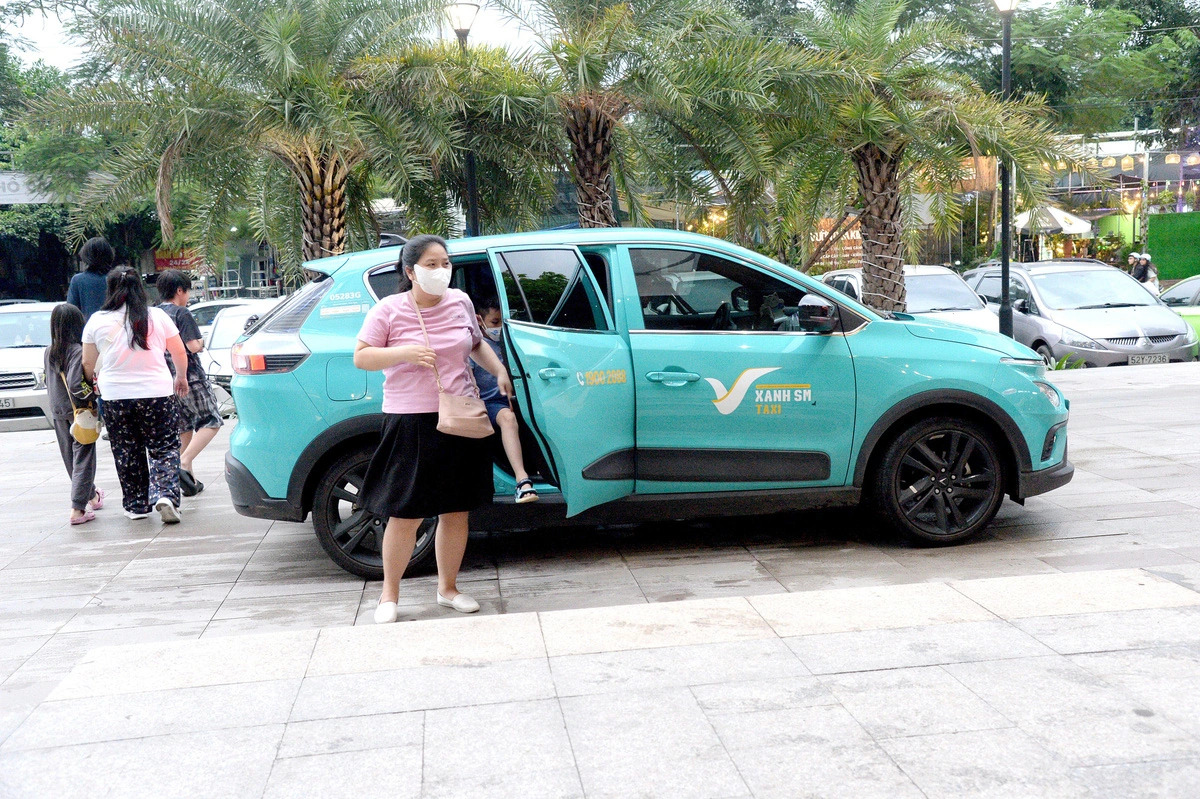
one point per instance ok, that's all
(658, 375)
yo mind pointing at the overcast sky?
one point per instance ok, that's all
(48, 41)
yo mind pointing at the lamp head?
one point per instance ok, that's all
(1006, 6)
(462, 16)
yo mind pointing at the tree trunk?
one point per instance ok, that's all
(322, 175)
(882, 245)
(590, 129)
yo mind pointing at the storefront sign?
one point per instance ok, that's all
(184, 260)
(16, 188)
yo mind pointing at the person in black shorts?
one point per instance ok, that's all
(487, 313)
(200, 417)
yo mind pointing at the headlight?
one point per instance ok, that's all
(41, 379)
(1079, 341)
(1049, 392)
(1192, 338)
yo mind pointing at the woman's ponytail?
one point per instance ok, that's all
(125, 291)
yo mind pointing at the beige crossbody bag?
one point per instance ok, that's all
(457, 416)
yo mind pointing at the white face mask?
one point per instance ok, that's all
(493, 333)
(432, 281)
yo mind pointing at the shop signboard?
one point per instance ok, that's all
(16, 188)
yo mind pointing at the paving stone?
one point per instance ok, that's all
(913, 646)
(110, 718)
(648, 744)
(367, 774)
(1062, 594)
(1129, 629)
(356, 733)
(1160, 779)
(752, 696)
(422, 688)
(231, 763)
(704, 621)
(991, 764)
(896, 702)
(673, 666)
(866, 609)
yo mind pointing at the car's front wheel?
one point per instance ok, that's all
(940, 481)
(351, 535)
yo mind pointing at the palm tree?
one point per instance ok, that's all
(256, 103)
(610, 63)
(907, 125)
(502, 111)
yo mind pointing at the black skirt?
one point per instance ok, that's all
(418, 471)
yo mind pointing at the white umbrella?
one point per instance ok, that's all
(1048, 219)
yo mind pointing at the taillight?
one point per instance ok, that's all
(267, 353)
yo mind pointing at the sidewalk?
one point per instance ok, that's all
(1084, 684)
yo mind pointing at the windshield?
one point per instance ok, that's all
(30, 329)
(939, 293)
(1180, 293)
(1099, 288)
(229, 326)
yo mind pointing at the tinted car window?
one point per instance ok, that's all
(1181, 293)
(687, 290)
(989, 288)
(551, 287)
(206, 315)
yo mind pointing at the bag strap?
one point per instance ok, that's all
(70, 399)
(436, 375)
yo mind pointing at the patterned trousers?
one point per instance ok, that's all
(144, 434)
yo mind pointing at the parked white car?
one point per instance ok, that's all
(227, 326)
(24, 336)
(206, 312)
(932, 291)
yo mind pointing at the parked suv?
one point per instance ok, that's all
(1089, 311)
(658, 375)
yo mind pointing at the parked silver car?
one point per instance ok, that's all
(1093, 312)
(932, 291)
(24, 336)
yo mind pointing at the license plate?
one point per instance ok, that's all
(7, 402)
(1136, 359)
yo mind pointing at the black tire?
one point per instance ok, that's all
(1047, 354)
(350, 535)
(940, 481)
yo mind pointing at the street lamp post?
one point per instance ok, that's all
(462, 15)
(1006, 9)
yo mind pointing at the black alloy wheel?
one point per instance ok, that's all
(351, 535)
(940, 481)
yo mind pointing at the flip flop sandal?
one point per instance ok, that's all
(189, 486)
(526, 494)
(84, 519)
(98, 502)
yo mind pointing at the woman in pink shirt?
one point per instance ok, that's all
(418, 471)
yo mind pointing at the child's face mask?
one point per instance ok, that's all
(493, 333)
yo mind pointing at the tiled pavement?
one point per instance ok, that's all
(1134, 504)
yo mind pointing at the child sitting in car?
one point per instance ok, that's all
(487, 314)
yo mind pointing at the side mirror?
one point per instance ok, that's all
(1020, 306)
(982, 298)
(816, 315)
(250, 322)
(740, 299)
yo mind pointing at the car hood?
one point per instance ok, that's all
(925, 327)
(980, 318)
(1144, 320)
(22, 359)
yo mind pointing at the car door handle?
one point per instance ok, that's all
(552, 373)
(672, 378)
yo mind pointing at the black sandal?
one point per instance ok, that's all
(189, 486)
(527, 494)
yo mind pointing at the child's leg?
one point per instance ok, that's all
(510, 436)
(83, 476)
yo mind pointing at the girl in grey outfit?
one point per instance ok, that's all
(65, 382)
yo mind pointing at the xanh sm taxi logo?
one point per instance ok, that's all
(769, 398)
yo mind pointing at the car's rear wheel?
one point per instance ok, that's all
(352, 536)
(1047, 354)
(940, 481)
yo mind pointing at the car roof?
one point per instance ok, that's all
(365, 259)
(909, 269)
(1047, 267)
(28, 307)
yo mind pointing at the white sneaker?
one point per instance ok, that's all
(167, 510)
(131, 515)
(386, 613)
(461, 602)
